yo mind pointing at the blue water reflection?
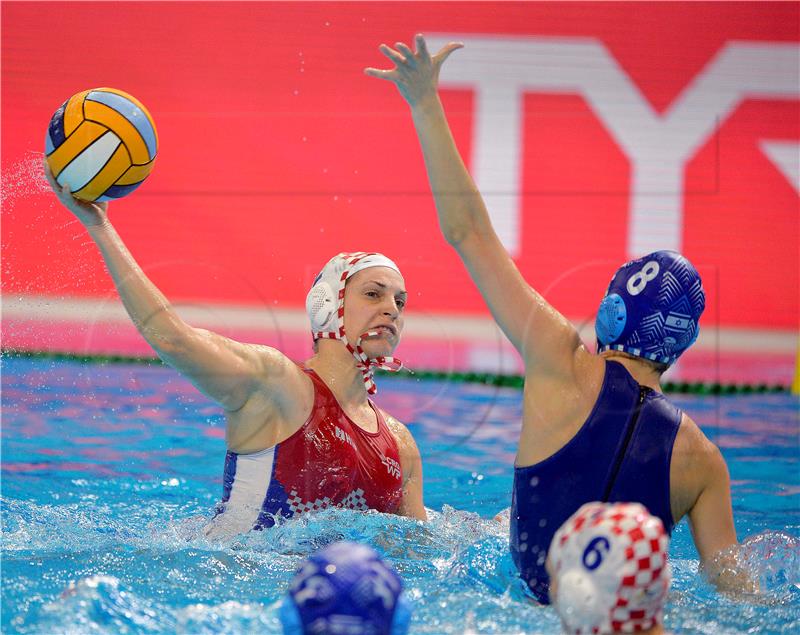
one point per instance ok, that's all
(109, 472)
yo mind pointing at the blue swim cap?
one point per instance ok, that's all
(345, 589)
(651, 308)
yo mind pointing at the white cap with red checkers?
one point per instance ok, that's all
(610, 569)
(325, 308)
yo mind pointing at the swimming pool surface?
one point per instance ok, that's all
(109, 472)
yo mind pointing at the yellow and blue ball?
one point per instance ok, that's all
(102, 143)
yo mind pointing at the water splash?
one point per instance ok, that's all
(772, 558)
(97, 604)
(23, 179)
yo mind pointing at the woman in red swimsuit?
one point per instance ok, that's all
(299, 437)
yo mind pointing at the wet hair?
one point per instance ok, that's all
(657, 367)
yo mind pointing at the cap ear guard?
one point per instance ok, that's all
(321, 306)
(611, 318)
(576, 598)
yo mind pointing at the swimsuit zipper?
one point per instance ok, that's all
(628, 435)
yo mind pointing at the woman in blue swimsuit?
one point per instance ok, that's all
(594, 426)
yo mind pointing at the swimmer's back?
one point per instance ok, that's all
(622, 452)
(557, 405)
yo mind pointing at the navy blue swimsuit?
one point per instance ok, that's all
(621, 454)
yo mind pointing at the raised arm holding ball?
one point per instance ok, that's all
(300, 437)
(595, 427)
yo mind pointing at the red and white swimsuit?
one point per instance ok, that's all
(329, 462)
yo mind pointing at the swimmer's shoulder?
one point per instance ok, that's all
(405, 441)
(280, 405)
(396, 427)
(692, 446)
(695, 465)
(281, 380)
(274, 366)
(558, 402)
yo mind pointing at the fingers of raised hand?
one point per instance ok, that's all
(62, 192)
(381, 73)
(393, 55)
(421, 45)
(445, 51)
(410, 58)
(49, 175)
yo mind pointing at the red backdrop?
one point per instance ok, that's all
(276, 151)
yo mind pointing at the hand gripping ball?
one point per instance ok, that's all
(102, 143)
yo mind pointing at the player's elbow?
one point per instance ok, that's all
(174, 344)
(456, 234)
(166, 333)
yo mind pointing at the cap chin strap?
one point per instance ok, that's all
(367, 365)
(364, 363)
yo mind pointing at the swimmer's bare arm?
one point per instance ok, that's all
(411, 464)
(222, 369)
(711, 515)
(545, 339)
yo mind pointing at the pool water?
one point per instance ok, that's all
(109, 473)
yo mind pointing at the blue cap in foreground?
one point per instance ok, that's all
(345, 588)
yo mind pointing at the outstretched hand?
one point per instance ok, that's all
(416, 73)
(89, 214)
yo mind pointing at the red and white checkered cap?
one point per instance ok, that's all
(325, 308)
(610, 569)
